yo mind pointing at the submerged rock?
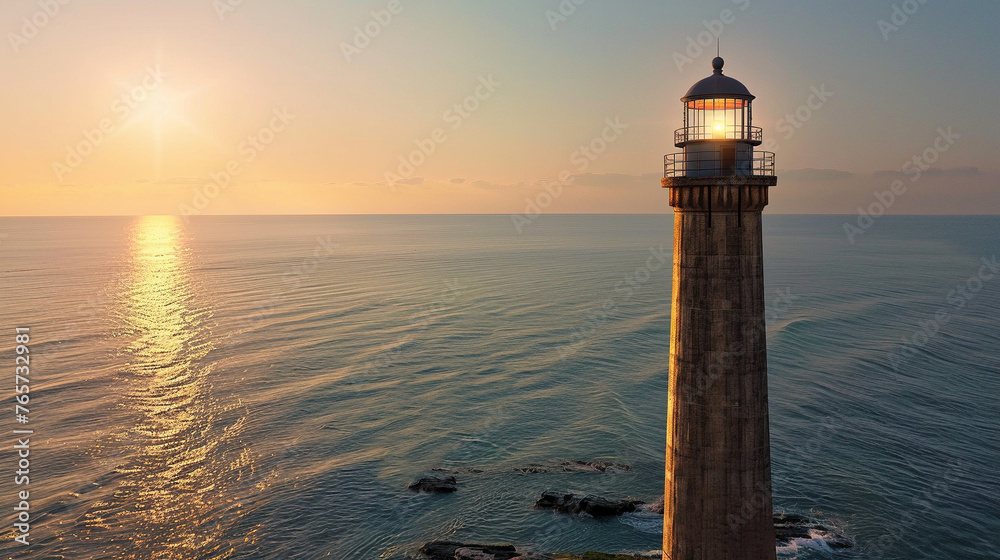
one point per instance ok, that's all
(554, 467)
(603, 556)
(791, 527)
(458, 470)
(451, 550)
(437, 484)
(576, 466)
(655, 507)
(595, 506)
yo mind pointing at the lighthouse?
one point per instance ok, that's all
(717, 489)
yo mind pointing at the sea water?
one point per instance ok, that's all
(267, 387)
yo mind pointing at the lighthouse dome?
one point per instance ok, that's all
(717, 85)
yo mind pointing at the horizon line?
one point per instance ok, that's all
(462, 214)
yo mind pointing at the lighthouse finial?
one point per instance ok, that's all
(717, 63)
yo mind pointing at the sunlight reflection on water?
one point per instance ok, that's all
(177, 490)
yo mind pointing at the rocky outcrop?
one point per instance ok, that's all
(576, 466)
(458, 470)
(437, 484)
(591, 505)
(790, 527)
(787, 527)
(450, 550)
(442, 480)
(654, 507)
(603, 556)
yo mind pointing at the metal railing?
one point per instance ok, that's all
(711, 164)
(728, 132)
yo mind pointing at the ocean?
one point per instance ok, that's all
(267, 387)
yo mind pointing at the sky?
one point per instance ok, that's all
(131, 107)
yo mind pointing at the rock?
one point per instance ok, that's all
(601, 507)
(458, 470)
(603, 556)
(788, 527)
(576, 466)
(465, 553)
(451, 550)
(655, 507)
(838, 541)
(434, 484)
(598, 466)
(533, 556)
(591, 505)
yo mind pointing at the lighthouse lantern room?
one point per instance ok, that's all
(718, 136)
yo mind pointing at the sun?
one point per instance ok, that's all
(161, 111)
(156, 105)
(161, 106)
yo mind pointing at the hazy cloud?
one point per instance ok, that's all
(953, 172)
(457, 180)
(484, 184)
(177, 181)
(814, 174)
(934, 172)
(617, 180)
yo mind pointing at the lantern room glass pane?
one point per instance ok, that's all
(722, 103)
(717, 118)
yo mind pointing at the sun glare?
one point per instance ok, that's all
(719, 129)
(161, 112)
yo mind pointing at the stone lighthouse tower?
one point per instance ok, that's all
(717, 502)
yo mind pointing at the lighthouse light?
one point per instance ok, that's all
(719, 129)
